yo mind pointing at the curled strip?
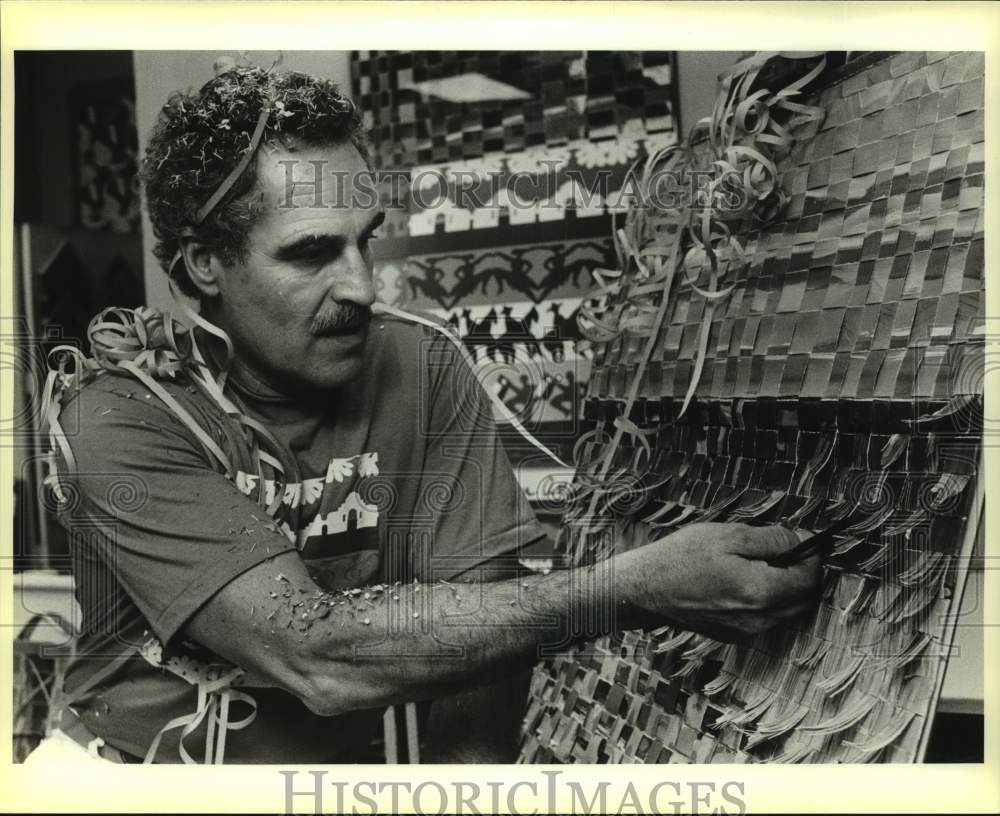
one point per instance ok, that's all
(214, 698)
(680, 638)
(727, 672)
(848, 716)
(151, 347)
(892, 731)
(772, 728)
(956, 405)
(842, 679)
(894, 447)
(803, 751)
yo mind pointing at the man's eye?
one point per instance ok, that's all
(312, 256)
(316, 257)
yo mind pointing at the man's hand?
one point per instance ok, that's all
(714, 579)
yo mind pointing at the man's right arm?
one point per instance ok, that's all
(377, 646)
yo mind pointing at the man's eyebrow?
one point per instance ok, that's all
(307, 244)
(318, 242)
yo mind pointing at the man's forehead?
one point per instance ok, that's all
(331, 178)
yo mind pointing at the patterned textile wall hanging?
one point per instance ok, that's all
(811, 352)
(106, 144)
(504, 168)
(70, 275)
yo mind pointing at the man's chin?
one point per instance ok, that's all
(340, 361)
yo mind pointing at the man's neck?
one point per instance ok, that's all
(255, 384)
(250, 380)
(268, 399)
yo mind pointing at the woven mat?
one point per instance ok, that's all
(844, 375)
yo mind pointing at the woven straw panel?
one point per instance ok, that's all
(844, 375)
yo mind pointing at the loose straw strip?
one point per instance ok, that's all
(237, 171)
(505, 413)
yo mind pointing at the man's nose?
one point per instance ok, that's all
(354, 280)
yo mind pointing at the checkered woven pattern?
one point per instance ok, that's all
(574, 95)
(844, 379)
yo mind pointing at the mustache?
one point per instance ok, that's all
(343, 318)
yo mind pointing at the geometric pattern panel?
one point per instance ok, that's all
(106, 165)
(506, 167)
(434, 107)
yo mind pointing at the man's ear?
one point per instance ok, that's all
(203, 266)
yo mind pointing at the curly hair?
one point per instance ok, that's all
(200, 137)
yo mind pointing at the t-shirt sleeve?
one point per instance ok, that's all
(481, 513)
(173, 530)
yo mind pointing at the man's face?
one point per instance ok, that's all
(298, 310)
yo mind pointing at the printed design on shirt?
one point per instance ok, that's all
(353, 512)
(339, 520)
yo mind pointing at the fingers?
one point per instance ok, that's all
(805, 576)
(740, 630)
(795, 585)
(765, 543)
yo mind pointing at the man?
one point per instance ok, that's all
(387, 571)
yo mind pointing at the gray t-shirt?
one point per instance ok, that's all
(402, 476)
